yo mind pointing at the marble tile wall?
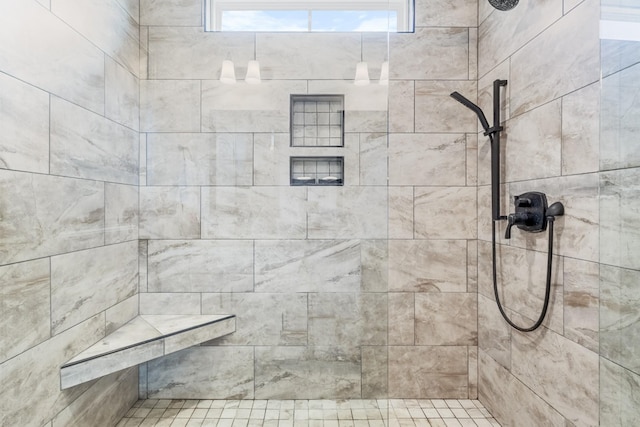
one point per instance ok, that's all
(69, 120)
(566, 134)
(322, 289)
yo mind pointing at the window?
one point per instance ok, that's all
(312, 15)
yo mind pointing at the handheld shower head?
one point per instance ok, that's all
(464, 101)
(503, 5)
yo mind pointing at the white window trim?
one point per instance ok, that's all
(214, 8)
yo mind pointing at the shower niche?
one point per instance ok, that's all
(317, 170)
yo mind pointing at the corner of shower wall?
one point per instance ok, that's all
(551, 144)
(69, 204)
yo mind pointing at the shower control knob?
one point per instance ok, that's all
(518, 218)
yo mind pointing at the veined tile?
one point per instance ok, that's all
(619, 403)
(402, 318)
(69, 56)
(412, 54)
(339, 319)
(45, 215)
(171, 13)
(222, 372)
(568, 48)
(200, 53)
(447, 13)
(300, 266)
(106, 24)
(374, 372)
(401, 106)
(498, 387)
(307, 373)
(374, 258)
(200, 266)
(121, 213)
(581, 302)
(559, 371)
(401, 212)
(494, 334)
(428, 372)
(427, 159)
(330, 56)
(24, 306)
(445, 213)
(86, 145)
(347, 212)
(170, 303)
(169, 212)
(87, 282)
(438, 112)
(446, 318)
(170, 106)
(427, 265)
(122, 95)
(24, 119)
(248, 108)
(199, 159)
(36, 398)
(253, 212)
(281, 319)
(121, 313)
(580, 129)
(372, 159)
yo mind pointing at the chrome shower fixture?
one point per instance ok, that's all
(503, 5)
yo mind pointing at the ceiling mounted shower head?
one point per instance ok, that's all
(503, 4)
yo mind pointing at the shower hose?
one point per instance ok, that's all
(547, 293)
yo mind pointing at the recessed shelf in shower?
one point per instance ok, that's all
(317, 120)
(317, 170)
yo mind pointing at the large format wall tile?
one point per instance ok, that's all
(446, 13)
(567, 48)
(106, 24)
(347, 212)
(498, 389)
(28, 30)
(401, 106)
(105, 403)
(248, 108)
(533, 144)
(307, 373)
(340, 319)
(301, 266)
(170, 303)
(334, 55)
(619, 402)
(400, 212)
(445, 212)
(281, 319)
(121, 213)
(446, 319)
(375, 377)
(619, 220)
(559, 371)
(373, 158)
(427, 159)
(199, 159)
(200, 266)
(25, 306)
(427, 265)
(171, 12)
(35, 398)
(502, 34)
(169, 213)
(86, 145)
(620, 316)
(620, 115)
(581, 302)
(122, 95)
(494, 334)
(200, 53)
(76, 276)
(24, 120)
(253, 212)
(45, 215)
(580, 131)
(425, 372)
(402, 322)
(215, 372)
(420, 55)
(170, 106)
(436, 111)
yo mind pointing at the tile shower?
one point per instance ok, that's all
(134, 182)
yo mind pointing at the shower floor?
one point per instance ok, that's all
(308, 413)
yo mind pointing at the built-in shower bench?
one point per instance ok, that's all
(144, 338)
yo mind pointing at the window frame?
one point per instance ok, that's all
(214, 9)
